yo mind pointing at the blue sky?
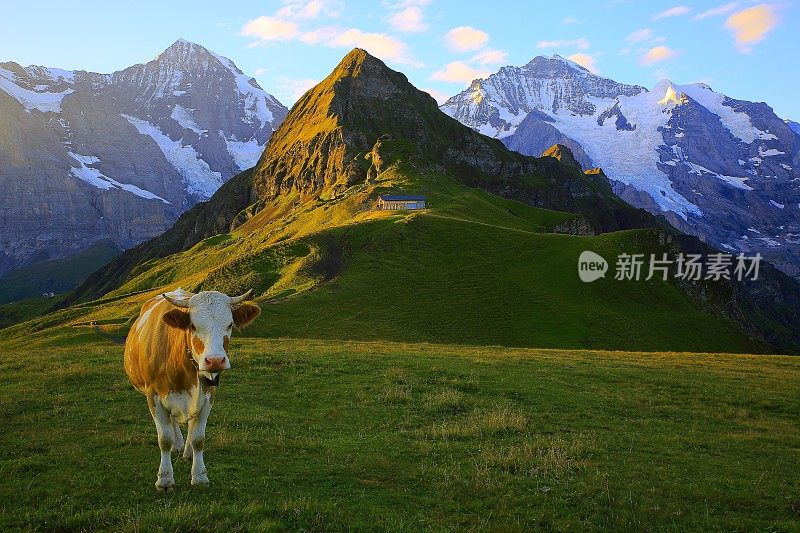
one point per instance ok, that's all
(745, 49)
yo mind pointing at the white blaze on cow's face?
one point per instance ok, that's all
(210, 331)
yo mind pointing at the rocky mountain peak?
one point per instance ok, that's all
(182, 50)
(323, 141)
(671, 95)
(350, 65)
(563, 154)
(496, 105)
(119, 156)
(720, 168)
(365, 117)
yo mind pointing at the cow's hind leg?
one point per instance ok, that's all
(187, 448)
(166, 437)
(196, 436)
(179, 442)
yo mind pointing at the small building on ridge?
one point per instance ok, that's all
(389, 202)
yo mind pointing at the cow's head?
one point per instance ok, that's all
(209, 318)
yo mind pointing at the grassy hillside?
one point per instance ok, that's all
(313, 435)
(430, 278)
(474, 268)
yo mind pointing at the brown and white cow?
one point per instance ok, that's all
(174, 354)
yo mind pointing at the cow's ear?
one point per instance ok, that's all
(177, 319)
(245, 313)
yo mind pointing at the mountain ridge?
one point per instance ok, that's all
(713, 166)
(299, 229)
(87, 156)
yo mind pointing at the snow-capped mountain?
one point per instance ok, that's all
(87, 157)
(725, 170)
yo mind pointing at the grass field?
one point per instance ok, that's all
(390, 384)
(314, 435)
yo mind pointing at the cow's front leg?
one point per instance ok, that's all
(197, 437)
(166, 438)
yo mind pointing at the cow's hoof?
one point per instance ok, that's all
(200, 482)
(165, 486)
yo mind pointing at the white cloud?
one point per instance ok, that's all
(321, 34)
(581, 43)
(284, 25)
(309, 9)
(294, 88)
(673, 12)
(751, 25)
(465, 38)
(490, 57)
(260, 71)
(458, 72)
(402, 4)
(378, 44)
(266, 29)
(639, 35)
(657, 54)
(440, 96)
(587, 61)
(571, 20)
(409, 19)
(717, 11)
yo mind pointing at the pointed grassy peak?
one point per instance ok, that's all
(358, 63)
(327, 140)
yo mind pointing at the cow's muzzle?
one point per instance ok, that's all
(215, 363)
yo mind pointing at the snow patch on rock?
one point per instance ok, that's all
(94, 177)
(41, 99)
(184, 117)
(198, 178)
(244, 154)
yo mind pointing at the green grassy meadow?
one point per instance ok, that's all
(443, 370)
(334, 435)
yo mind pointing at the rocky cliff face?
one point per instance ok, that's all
(86, 157)
(536, 133)
(725, 170)
(495, 106)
